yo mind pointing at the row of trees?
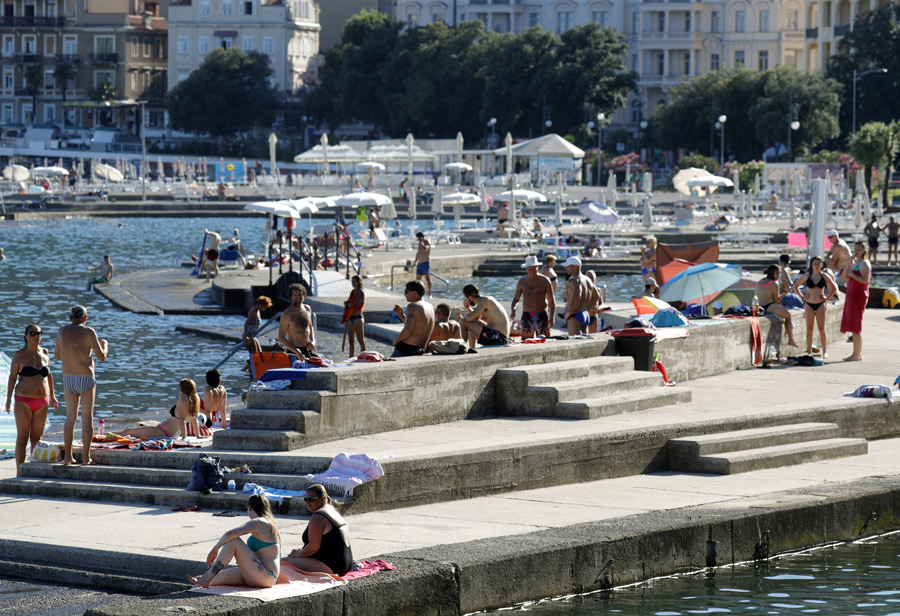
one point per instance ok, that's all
(436, 80)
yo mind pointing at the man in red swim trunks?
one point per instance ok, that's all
(538, 302)
(212, 252)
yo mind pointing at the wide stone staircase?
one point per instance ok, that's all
(161, 478)
(273, 421)
(741, 451)
(583, 389)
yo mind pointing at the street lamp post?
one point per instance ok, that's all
(643, 126)
(721, 126)
(143, 152)
(857, 77)
(547, 124)
(493, 123)
(792, 126)
(601, 117)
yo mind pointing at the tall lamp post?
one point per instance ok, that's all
(547, 124)
(143, 150)
(601, 118)
(792, 126)
(721, 126)
(857, 77)
(643, 127)
(493, 124)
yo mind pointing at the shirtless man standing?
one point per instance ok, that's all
(422, 262)
(445, 328)
(873, 232)
(74, 345)
(547, 269)
(106, 272)
(295, 330)
(578, 298)
(212, 252)
(769, 295)
(892, 230)
(538, 302)
(837, 258)
(483, 319)
(418, 322)
(594, 304)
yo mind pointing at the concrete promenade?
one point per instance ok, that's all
(513, 529)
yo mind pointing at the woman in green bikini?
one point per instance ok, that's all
(257, 560)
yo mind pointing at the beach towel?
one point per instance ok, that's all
(346, 472)
(271, 385)
(273, 494)
(873, 391)
(293, 582)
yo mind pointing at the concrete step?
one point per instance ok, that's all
(728, 463)
(626, 402)
(540, 400)
(296, 399)
(111, 492)
(157, 477)
(275, 419)
(181, 459)
(518, 378)
(707, 444)
(258, 440)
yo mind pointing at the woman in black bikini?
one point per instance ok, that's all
(33, 393)
(326, 540)
(820, 288)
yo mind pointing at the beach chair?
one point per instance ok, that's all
(260, 363)
(231, 257)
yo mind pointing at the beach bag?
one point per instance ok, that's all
(206, 475)
(669, 318)
(47, 452)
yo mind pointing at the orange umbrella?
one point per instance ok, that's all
(648, 305)
(666, 272)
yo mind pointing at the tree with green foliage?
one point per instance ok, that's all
(229, 93)
(873, 42)
(436, 80)
(34, 77)
(63, 74)
(875, 145)
(757, 105)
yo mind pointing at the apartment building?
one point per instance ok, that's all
(115, 48)
(672, 40)
(286, 30)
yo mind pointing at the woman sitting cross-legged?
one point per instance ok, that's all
(326, 540)
(257, 560)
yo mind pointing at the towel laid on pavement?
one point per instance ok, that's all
(347, 472)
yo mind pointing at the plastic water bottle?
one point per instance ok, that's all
(101, 428)
(231, 486)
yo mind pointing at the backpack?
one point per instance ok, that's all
(206, 475)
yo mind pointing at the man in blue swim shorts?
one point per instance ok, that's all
(538, 301)
(578, 294)
(423, 265)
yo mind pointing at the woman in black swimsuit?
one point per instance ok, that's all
(819, 289)
(33, 393)
(326, 540)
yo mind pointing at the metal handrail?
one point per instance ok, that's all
(432, 274)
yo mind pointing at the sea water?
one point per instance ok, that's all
(844, 580)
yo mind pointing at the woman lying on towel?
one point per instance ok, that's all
(187, 409)
(326, 540)
(257, 560)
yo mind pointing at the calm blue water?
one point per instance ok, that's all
(853, 579)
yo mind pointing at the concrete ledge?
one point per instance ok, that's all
(120, 298)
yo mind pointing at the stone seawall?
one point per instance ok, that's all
(466, 577)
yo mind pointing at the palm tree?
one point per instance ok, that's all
(34, 77)
(63, 73)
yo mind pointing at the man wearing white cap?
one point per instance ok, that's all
(578, 294)
(838, 258)
(538, 302)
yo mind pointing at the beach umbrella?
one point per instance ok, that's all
(509, 156)
(647, 182)
(666, 272)
(485, 206)
(700, 281)
(369, 199)
(459, 146)
(648, 214)
(710, 182)
(461, 198)
(736, 178)
(649, 305)
(634, 197)
(680, 179)
(370, 165)
(521, 194)
(412, 203)
(388, 211)
(756, 184)
(50, 171)
(598, 213)
(274, 208)
(107, 172)
(437, 203)
(16, 173)
(457, 167)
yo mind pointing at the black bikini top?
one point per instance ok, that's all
(44, 371)
(810, 284)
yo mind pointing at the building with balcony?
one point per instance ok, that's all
(286, 30)
(113, 48)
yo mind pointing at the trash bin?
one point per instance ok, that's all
(639, 343)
